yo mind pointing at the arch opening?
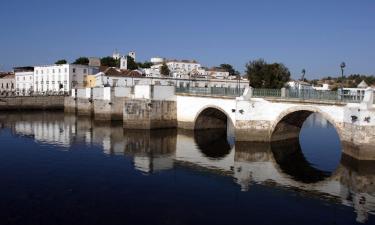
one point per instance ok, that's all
(214, 132)
(311, 137)
(211, 118)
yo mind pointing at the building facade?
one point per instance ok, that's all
(7, 84)
(120, 78)
(178, 68)
(24, 80)
(61, 78)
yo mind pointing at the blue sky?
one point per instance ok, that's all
(315, 35)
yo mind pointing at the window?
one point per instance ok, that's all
(74, 70)
(53, 71)
(84, 70)
(66, 70)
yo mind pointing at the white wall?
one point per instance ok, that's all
(142, 91)
(24, 81)
(101, 93)
(84, 93)
(189, 107)
(164, 92)
(122, 92)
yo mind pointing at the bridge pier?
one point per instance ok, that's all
(153, 107)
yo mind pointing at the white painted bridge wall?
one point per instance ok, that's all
(189, 107)
(258, 109)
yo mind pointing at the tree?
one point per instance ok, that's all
(145, 65)
(110, 62)
(132, 65)
(82, 61)
(164, 70)
(229, 68)
(61, 61)
(264, 75)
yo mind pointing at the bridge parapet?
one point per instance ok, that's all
(211, 91)
(308, 95)
(336, 97)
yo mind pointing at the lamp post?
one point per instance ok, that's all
(238, 84)
(301, 89)
(303, 74)
(342, 66)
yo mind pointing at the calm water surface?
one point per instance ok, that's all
(59, 169)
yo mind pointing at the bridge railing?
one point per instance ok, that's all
(331, 96)
(211, 91)
(334, 96)
(264, 92)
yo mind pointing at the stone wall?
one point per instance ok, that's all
(358, 141)
(117, 108)
(70, 105)
(251, 130)
(84, 107)
(32, 103)
(102, 109)
(149, 114)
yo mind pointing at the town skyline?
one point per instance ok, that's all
(315, 36)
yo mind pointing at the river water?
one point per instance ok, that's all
(60, 169)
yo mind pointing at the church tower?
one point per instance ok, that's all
(124, 63)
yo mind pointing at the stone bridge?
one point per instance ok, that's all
(249, 117)
(266, 120)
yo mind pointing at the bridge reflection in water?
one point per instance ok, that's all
(281, 164)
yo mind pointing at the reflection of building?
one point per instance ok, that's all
(316, 120)
(47, 128)
(152, 151)
(262, 163)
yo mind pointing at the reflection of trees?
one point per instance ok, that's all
(213, 143)
(288, 154)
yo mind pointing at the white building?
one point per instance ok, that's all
(300, 85)
(55, 78)
(357, 92)
(7, 81)
(325, 87)
(178, 68)
(217, 73)
(123, 58)
(125, 78)
(24, 80)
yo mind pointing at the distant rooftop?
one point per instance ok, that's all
(23, 69)
(363, 84)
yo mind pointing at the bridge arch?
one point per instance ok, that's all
(212, 117)
(289, 122)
